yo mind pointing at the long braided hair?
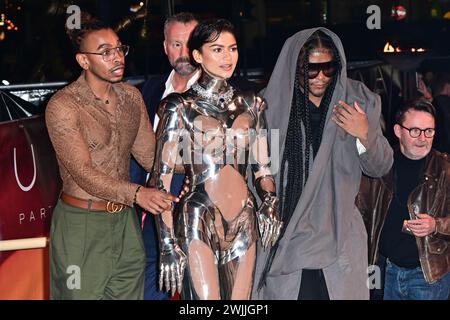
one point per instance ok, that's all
(300, 139)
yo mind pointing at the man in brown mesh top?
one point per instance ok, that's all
(95, 124)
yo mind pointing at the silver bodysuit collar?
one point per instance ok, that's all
(216, 91)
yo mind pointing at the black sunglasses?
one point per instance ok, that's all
(328, 68)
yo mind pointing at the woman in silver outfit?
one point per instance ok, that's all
(216, 133)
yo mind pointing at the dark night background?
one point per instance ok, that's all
(39, 51)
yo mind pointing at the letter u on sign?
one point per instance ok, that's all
(30, 186)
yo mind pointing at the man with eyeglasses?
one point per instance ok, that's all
(95, 124)
(407, 212)
(329, 134)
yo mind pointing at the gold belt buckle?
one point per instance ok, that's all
(113, 207)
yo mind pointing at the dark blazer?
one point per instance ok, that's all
(152, 91)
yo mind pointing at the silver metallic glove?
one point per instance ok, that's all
(269, 223)
(172, 265)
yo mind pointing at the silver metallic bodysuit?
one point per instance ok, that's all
(215, 133)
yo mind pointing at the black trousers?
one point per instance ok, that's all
(313, 285)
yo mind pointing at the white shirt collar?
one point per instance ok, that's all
(169, 86)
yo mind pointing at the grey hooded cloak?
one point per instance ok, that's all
(326, 230)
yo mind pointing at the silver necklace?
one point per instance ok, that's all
(214, 97)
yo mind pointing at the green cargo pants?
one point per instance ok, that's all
(95, 255)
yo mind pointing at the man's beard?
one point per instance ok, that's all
(183, 66)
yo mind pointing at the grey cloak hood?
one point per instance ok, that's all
(326, 230)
